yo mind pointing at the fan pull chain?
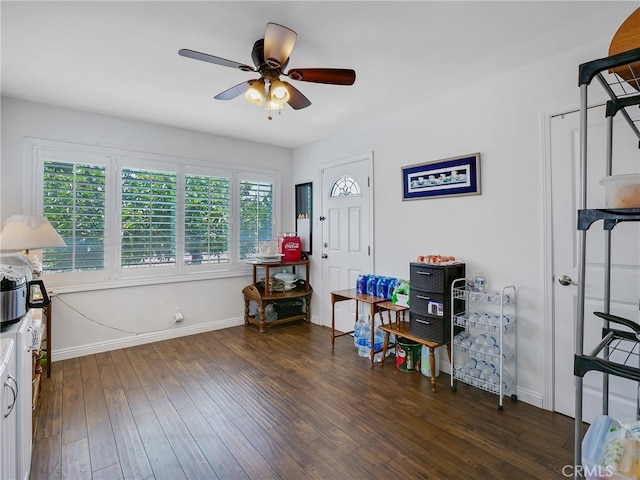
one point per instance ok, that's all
(269, 110)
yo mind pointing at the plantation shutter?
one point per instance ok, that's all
(206, 219)
(74, 202)
(148, 218)
(256, 215)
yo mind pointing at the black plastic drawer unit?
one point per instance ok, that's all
(430, 300)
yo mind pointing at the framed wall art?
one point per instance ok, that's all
(442, 178)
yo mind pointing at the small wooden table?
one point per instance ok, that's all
(389, 306)
(352, 294)
(402, 330)
(263, 295)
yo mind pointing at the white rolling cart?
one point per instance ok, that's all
(484, 340)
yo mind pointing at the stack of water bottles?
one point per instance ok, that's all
(378, 286)
(479, 361)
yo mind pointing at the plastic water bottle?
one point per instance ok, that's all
(507, 385)
(458, 338)
(507, 353)
(361, 283)
(371, 284)
(363, 347)
(382, 287)
(357, 328)
(507, 323)
(364, 340)
(487, 370)
(391, 284)
(425, 362)
(480, 282)
(379, 342)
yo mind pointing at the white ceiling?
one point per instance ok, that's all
(120, 58)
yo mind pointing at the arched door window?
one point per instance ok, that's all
(345, 186)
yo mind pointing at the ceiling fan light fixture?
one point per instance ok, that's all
(278, 93)
(271, 56)
(273, 106)
(255, 92)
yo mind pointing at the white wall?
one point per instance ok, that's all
(94, 321)
(500, 232)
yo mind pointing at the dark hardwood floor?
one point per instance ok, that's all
(237, 404)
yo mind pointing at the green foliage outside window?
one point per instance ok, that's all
(206, 219)
(74, 203)
(75, 200)
(148, 218)
(256, 210)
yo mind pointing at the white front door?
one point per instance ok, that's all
(347, 238)
(625, 271)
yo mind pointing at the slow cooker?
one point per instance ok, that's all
(18, 292)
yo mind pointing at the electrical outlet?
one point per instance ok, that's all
(178, 316)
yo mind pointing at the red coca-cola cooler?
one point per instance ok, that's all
(290, 247)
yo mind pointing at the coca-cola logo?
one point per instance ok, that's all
(292, 246)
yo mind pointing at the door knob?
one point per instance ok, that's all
(566, 280)
(324, 255)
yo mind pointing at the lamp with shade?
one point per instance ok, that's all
(33, 232)
(29, 232)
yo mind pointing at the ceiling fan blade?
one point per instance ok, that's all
(333, 76)
(297, 100)
(205, 57)
(278, 44)
(233, 92)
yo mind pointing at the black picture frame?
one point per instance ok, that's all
(442, 178)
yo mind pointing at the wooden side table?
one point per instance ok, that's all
(252, 292)
(263, 295)
(403, 331)
(399, 310)
(352, 294)
(389, 306)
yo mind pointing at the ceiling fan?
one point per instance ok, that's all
(270, 56)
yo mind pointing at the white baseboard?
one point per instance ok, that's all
(99, 347)
(524, 395)
(529, 396)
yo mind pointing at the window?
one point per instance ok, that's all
(74, 202)
(256, 200)
(345, 186)
(127, 219)
(206, 219)
(148, 218)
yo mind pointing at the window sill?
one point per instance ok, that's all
(67, 287)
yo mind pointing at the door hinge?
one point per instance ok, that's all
(369, 250)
